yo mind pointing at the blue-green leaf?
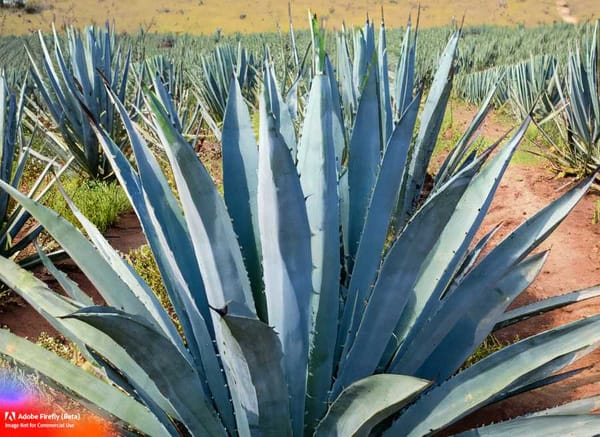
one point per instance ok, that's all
(277, 106)
(255, 357)
(551, 426)
(285, 240)
(367, 402)
(431, 122)
(240, 182)
(475, 317)
(387, 117)
(375, 231)
(112, 288)
(471, 388)
(399, 272)
(80, 383)
(543, 306)
(453, 240)
(171, 371)
(215, 244)
(318, 178)
(364, 158)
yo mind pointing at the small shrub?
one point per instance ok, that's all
(101, 202)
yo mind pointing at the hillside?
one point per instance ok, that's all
(230, 16)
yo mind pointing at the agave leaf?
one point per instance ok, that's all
(160, 216)
(339, 131)
(51, 306)
(460, 309)
(551, 426)
(471, 258)
(254, 355)
(387, 118)
(67, 284)
(360, 64)
(36, 75)
(318, 178)
(477, 313)
(543, 376)
(154, 203)
(277, 106)
(398, 272)
(429, 128)
(285, 240)
(367, 402)
(344, 196)
(405, 71)
(171, 371)
(136, 284)
(471, 388)
(291, 99)
(112, 288)
(165, 98)
(80, 383)
(458, 153)
(215, 244)
(377, 221)
(240, 182)
(453, 241)
(364, 158)
(167, 233)
(344, 69)
(549, 304)
(581, 406)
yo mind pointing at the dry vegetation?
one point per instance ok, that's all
(230, 16)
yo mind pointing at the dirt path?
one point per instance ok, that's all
(564, 10)
(24, 321)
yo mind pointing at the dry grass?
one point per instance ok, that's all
(230, 16)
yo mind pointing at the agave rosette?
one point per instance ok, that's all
(298, 316)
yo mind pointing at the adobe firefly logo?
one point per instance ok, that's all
(10, 416)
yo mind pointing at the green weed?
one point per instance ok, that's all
(142, 260)
(490, 345)
(101, 202)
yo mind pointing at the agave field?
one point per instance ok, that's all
(323, 253)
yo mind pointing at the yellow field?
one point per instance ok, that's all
(206, 16)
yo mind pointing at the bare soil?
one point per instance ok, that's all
(24, 321)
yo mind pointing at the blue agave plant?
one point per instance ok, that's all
(291, 328)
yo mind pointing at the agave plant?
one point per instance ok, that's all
(286, 334)
(526, 86)
(181, 103)
(578, 114)
(212, 84)
(14, 235)
(65, 81)
(530, 86)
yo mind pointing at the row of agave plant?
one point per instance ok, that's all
(564, 99)
(73, 70)
(298, 316)
(523, 86)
